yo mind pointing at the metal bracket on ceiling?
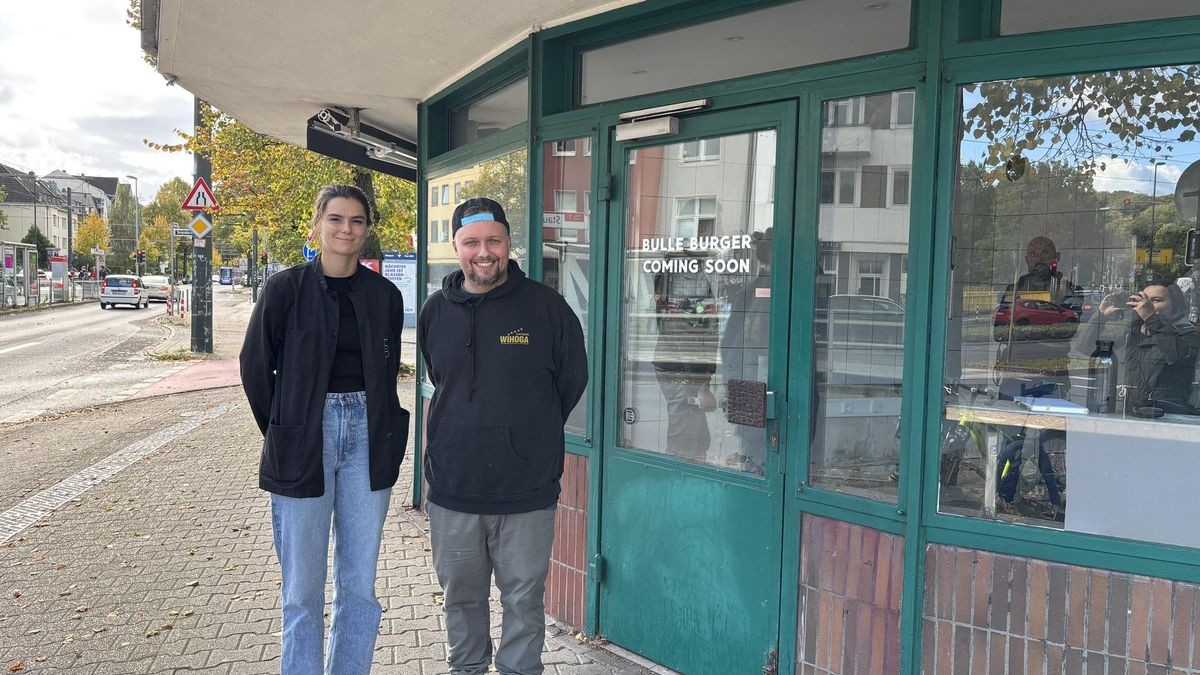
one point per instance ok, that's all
(329, 121)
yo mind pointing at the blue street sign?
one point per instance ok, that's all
(309, 254)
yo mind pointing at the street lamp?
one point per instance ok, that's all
(137, 221)
(1153, 202)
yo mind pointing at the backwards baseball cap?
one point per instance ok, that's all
(475, 210)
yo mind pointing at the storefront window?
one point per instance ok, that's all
(788, 35)
(860, 294)
(503, 178)
(1070, 395)
(566, 237)
(491, 114)
(696, 301)
(1033, 16)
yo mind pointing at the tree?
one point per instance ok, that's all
(3, 215)
(1088, 120)
(268, 185)
(35, 236)
(155, 241)
(122, 229)
(165, 206)
(506, 180)
(91, 232)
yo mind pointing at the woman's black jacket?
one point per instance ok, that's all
(286, 360)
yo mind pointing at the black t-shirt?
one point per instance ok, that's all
(347, 372)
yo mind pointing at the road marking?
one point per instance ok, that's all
(16, 347)
(19, 517)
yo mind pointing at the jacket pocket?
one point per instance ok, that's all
(480, 462)
(283, 459)
(397, 435)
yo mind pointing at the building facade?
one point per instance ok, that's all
(890, 316)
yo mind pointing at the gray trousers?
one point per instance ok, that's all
(467, 549)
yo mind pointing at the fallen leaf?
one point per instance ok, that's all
(111, 614)
(99, 630)
(188, 612)
(192, 584)
(18, 666)
(60, 566)
(83, 608)
(16, 594)
(151, 633)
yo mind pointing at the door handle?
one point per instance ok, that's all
(772, 406)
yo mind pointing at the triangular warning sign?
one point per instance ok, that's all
(200, 198)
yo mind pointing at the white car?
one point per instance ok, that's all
(159, 287)
(124, 289)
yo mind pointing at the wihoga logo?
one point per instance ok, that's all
(515, 337)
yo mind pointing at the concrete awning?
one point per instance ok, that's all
(274, 65)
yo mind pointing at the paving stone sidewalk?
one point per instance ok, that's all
(169, 567)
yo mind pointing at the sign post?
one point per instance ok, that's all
(202, 200)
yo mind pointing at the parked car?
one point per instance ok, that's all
(125, 289)
(158, 287)
(14, 293)
(1033, 312)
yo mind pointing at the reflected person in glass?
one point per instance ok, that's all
(1156, 347)
(685, 359)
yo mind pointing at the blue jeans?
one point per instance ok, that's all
(302, 529)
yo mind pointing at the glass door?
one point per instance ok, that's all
(692, 498)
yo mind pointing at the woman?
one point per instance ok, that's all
(1157, 347)
(319, 368)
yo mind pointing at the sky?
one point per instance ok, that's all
(76, 95)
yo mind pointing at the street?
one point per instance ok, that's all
(67, 358)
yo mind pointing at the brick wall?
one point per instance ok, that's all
(850, 583)
(565, 596)
(992, 613)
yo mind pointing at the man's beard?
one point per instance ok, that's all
(479, 281)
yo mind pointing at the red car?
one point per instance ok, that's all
(1031, 312)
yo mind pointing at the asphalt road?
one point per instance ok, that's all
(61, 359)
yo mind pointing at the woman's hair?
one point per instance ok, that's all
(332, 192)
(1176, 298)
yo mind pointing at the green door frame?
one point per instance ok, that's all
(782, 117)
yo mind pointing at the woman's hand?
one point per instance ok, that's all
(1108, 306)
(1140, 303)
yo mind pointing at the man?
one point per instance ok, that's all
(506, 355)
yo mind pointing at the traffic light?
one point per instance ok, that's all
(262, 258)
(1192, 252)
(141, 257)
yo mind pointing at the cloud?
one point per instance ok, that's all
(1138, 176)
(76, 95)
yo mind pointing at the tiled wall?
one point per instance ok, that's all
(850, 583)
(565, 596)
(992, 613)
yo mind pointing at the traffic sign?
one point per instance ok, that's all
(200, 198)
(200, 226)
(182, 231)
(1192, 252)
(309, 253)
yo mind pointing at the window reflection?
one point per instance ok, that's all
(861, 285)
(566, 236)
(696, 299)
(1072, 304)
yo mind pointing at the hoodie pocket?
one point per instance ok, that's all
(480, 462)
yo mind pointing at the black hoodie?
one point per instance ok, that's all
(509, 366)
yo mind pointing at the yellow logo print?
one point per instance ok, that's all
(515, 337)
